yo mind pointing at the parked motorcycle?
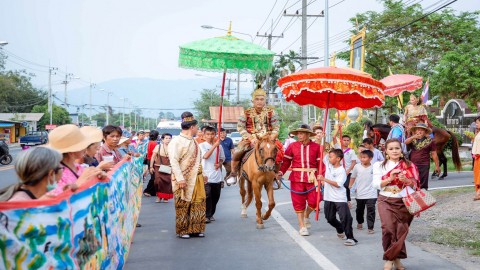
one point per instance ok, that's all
(5, 157)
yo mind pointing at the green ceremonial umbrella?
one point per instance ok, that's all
(223, 54)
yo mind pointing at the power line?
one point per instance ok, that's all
(274, 4)
(348, 49)
(299, 36)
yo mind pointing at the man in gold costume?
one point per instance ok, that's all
(255, 123)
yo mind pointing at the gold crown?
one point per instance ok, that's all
(259, 92)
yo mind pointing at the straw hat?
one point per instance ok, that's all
(303, 128)
(123, 139)
(70, 138)
(421, 125)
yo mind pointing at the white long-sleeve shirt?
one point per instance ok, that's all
(378, 172)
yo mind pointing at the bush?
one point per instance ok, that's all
(355, 131)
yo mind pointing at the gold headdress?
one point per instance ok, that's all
(259, 92)
(188, 119)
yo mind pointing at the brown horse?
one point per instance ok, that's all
(441, 137)
(258, 171)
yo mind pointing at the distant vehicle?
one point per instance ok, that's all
(34, 138)
(236, 137)
(172, 127)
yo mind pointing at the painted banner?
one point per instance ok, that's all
(89, 229)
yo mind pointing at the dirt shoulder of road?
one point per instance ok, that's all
(450, 229)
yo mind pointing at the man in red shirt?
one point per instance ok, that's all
(303, 156)
(422, 146)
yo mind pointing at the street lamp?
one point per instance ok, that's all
(3, 43)
(108, 104)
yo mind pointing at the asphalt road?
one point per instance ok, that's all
(234, 243)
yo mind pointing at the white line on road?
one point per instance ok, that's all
(310, 249)
(451, 187)
(5, 168)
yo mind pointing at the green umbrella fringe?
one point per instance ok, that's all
(244, 64)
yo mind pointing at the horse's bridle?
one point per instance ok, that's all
(263, 167)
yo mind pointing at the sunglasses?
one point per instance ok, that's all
(56, 170)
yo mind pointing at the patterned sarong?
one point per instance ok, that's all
(190, 216)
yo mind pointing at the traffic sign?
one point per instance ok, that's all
(50, 127)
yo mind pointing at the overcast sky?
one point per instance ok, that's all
(101, 40)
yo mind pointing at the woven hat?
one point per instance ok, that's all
(70, 138)
(421, 125)
(123, 139)
(303, 128)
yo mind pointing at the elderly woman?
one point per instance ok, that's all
(391, 177)
(39, 170)
(72, 142)
(111, 138)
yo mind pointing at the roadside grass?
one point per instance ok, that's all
(457, 238)
(443, 192)
(466, 165)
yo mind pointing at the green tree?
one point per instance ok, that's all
(60, 116)
(208, 98)
(17, 93)
(284, 65)
(423, 48)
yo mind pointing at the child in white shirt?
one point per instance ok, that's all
(362, 176)
(335, 198)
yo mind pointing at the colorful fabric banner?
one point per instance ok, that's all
(89, 229)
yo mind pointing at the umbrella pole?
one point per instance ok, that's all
(320, 165)
(221, 112)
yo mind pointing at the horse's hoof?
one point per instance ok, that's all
(260, 226)
(441, 178)
(265, 217)
(243, 215)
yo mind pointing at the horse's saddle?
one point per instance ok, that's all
(247, 155)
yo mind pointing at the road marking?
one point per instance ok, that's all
(310, 249)
(5, 168)
(451, 187)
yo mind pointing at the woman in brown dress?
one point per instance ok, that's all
(160, 167)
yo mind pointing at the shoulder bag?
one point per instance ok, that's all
(164, 168)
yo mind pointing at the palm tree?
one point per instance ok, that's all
(284, 65)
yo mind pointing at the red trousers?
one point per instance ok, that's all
(301, 200)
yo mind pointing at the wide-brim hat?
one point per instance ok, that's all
(123, 139)
(70, 138)
(423, 126)
(303, 128)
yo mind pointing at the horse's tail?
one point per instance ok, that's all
(455, 153)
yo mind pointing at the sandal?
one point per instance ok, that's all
(184, 236)
(147, 195)
(201, 235)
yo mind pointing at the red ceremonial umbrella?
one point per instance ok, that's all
(332, 87)
(399, 83)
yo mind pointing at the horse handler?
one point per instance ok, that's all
(258, 121)
(303, 156)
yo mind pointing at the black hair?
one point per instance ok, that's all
(337, 152)
(166, 134)
(188, 124)
(367, 152)
(368, 140)
(209, 129)
(477, 119)
(107, 130)
(153, 136)
(394, 118)
(222, 130)
(346, 136)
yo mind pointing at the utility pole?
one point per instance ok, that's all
(238, 85)
(304, 57)
(50, 99)
(92, 85)
(269, 46)
(67, 77)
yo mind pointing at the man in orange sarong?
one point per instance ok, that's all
(476, 155)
